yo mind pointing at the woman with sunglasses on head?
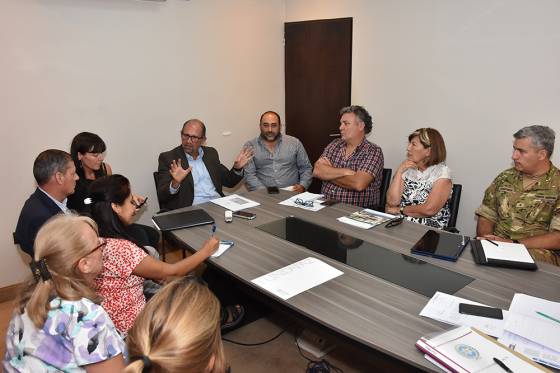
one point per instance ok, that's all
(88, 152)
(125, 264)
(421, 187)
(58, 324)
(154, 344)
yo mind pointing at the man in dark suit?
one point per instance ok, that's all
(191, 173)
(56, 177)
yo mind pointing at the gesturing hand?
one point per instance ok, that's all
(243, 157)
(178, 173)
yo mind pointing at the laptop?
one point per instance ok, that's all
(180, 220)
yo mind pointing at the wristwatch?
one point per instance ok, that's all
(515, 241)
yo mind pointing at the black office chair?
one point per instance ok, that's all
(166, 236)
(385, 182)
(454, 208)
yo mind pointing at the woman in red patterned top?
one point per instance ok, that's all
(125, 264)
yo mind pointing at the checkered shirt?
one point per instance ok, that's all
(367, 157)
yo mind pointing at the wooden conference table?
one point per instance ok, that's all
(369, 310)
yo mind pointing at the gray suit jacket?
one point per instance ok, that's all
(219, 174)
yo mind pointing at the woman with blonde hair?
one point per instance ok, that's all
(421, 187)
(58, 323)
(178, 331)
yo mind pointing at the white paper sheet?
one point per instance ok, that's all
(532, 350)
(541, 331)
(445, 308)
(234, 202)
(297, 277)
(305, 196)
(515, 252)
(528, 306)
(221, 249)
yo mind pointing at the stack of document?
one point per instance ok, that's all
(466, 350)
(530, 327)
(366, 218)
(533, 329)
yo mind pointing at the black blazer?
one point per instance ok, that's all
(35, 212)
(219, 174)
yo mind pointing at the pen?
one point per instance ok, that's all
(502, 365)
(548, 317)
(492, 242)
(213, 229)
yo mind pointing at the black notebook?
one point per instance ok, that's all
(179, 220)
(518, 255)
(441, 245)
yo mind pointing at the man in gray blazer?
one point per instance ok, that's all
(192, 173)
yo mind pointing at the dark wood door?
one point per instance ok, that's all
(318, 71)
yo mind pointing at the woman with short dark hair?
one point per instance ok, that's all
(88, 153)
(421, 187)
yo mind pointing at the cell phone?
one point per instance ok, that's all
(329, 202)
(244, 215)
(482, 311)
(272, 190)
(143, 203)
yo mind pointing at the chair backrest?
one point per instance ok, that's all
(385, 182)
(157, 194)
(454, 204)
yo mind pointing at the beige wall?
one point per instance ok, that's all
(477, 70)
(131, 71)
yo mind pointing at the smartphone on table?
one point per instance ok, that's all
(244, 215)
(482, 311)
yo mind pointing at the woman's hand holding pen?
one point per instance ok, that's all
(211, 245)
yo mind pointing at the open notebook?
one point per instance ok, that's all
(502, 254)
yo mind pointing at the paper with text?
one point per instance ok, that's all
(445, 308)
(234, 202)
(297, 277)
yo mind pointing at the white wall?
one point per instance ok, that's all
(477, 70)
(131, 71)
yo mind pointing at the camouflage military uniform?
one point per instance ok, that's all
(519, 213)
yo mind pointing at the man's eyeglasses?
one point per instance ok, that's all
(394, 222)
(301, 202)
(186, 136)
